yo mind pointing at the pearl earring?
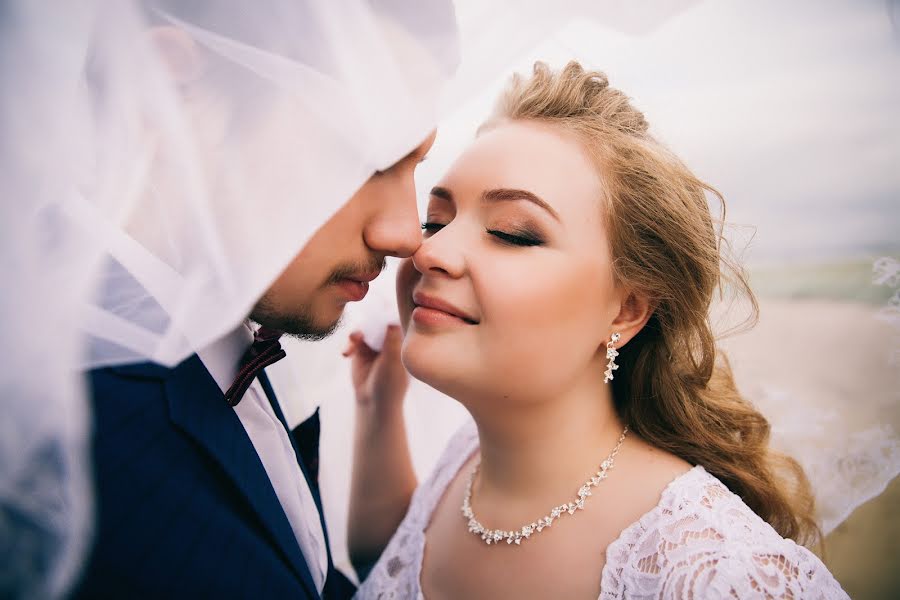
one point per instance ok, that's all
(611, 354)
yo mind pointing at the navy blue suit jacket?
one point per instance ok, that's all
(185, 508)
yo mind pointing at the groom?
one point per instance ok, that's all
(201, 489)
(202, 497)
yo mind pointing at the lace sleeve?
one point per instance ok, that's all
(702, 541)
(396, 574)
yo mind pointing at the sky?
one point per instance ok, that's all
(790, 109)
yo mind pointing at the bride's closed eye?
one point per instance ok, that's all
(518, 237)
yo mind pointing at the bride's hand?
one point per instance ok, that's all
(379, 378)
(383, 478)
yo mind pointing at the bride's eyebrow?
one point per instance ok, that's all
(499, 195)
(507, 195)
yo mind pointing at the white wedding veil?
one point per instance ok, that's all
(162, 161)
(45, 510)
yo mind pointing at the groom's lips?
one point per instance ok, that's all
(355, 287)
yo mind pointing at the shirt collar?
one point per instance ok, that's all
(222, 357)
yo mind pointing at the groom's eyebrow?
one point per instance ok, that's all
(416, 153)
(442, 193)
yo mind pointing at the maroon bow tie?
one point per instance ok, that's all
(265, 351)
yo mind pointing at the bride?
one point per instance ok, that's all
(562, 295)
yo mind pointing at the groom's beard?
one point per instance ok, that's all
(300, 323)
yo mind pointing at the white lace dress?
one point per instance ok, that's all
(700, 541)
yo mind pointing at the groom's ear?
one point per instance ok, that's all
(178, 52)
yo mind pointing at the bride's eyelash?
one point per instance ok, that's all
(513, 239)
(522, 239)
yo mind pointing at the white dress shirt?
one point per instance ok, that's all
(270, 439)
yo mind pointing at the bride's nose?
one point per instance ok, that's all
(441, 254)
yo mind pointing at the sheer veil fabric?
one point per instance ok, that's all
(45, 497)
(149, 201)
(146, 208)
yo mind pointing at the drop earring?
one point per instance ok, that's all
(611, 354)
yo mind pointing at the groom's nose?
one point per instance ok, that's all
(394, 228)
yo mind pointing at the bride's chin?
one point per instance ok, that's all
(429, 364)
(415, 363)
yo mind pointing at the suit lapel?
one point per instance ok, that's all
(197, 406)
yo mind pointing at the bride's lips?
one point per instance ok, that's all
(430, 310)
(355, 287)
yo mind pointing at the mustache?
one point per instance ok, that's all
(348, 270)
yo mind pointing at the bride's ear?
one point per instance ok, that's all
(634, 312)
(178, 52)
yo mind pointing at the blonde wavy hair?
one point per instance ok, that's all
(674, 388)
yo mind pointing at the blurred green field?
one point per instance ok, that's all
(862, 551)
(840, 281)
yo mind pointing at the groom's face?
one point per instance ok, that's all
(348, 251)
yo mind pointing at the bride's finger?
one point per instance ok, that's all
(364, 351)
(353, 342)
(393, 340)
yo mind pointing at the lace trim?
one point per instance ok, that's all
(702, 541)
(396, 575)
(699, 541)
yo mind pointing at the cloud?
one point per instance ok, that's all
(790, 109)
